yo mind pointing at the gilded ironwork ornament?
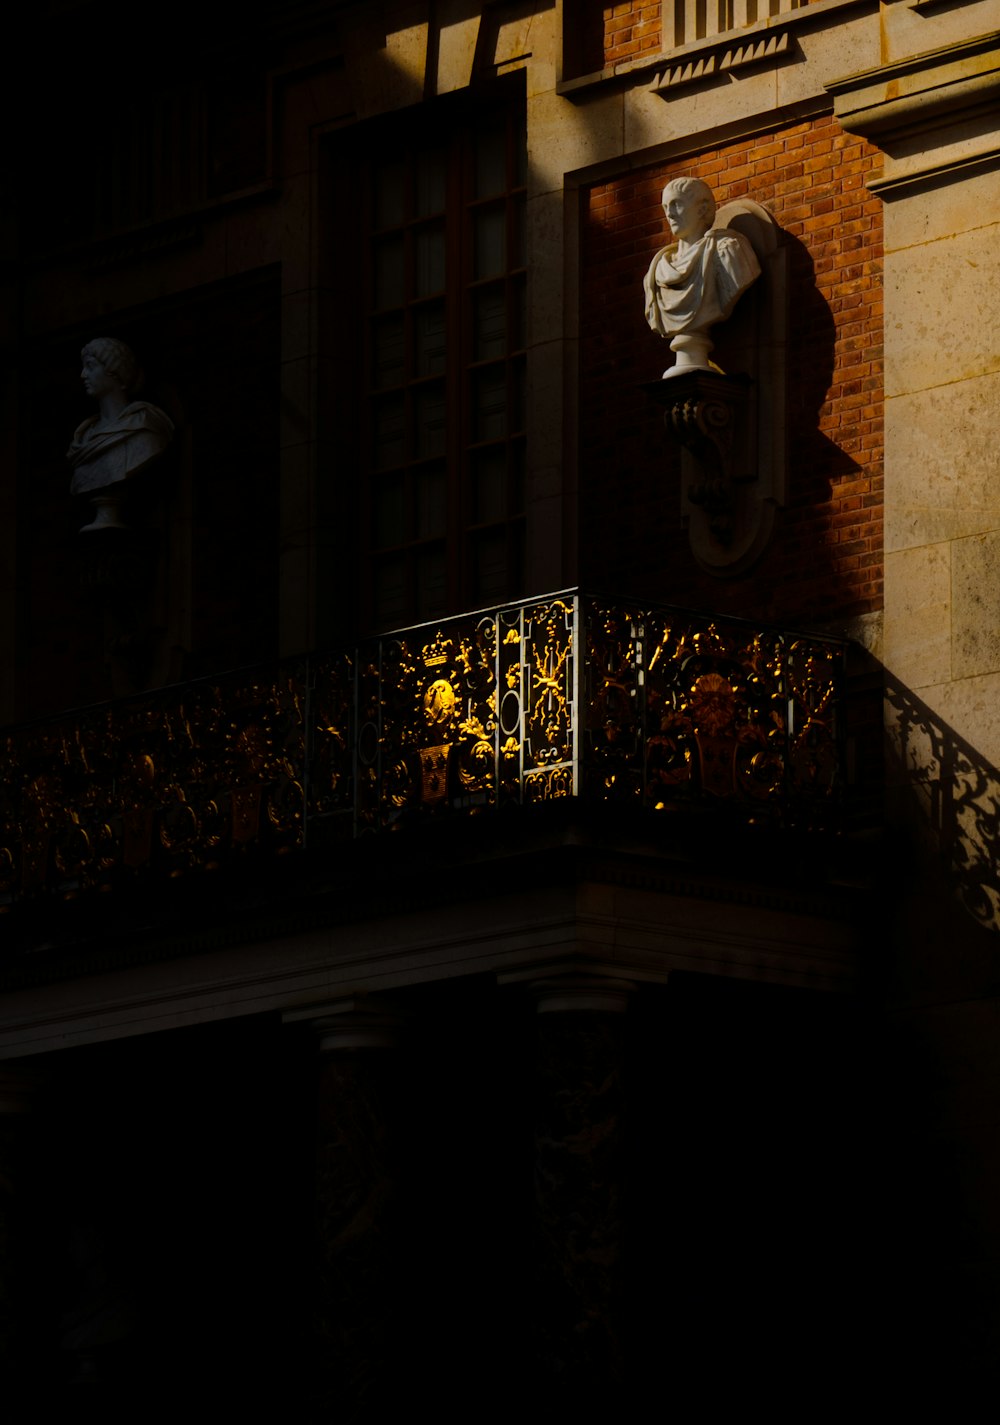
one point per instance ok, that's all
(547, 700)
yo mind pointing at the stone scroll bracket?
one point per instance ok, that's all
(119, 575)
(730, 424)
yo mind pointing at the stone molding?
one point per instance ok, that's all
(636, 933)
(722, 59)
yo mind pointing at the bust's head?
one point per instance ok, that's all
(689, 205)
(109, 364)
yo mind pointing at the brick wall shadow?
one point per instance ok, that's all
(817, 457)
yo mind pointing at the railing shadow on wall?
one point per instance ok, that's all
(957, 791)
(564, 696)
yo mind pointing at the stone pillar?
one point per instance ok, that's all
(579, 1138)
(355, 1319)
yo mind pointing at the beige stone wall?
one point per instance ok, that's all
(932, 108)
(942, 474)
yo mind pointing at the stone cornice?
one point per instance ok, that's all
(915, 94)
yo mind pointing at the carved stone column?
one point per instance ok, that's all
(354, 1317)
(579, 1138)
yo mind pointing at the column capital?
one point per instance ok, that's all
(580, 991)
(359, 1021)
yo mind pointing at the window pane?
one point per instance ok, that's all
(489, 566)
(515, 474)
(489, 241)
(430, 260)
(432, 174)
(432, 585)
(445, 370)
(388, 364)
(515, 560)
(489, 485)
(390, 186)
(489, 323)
(520, 146)
(491, 161)
(519, 257)
(388, 273)
(391, 602)
(429, 336)
(518, 381)
(432, 506)
(388, 436)
(429, 419)
(489, 403)
(390, 512)
(519, 336)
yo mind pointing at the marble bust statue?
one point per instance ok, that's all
(694, 282)
(122, 439)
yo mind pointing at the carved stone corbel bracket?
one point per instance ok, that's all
(705, 414)
(712, 418)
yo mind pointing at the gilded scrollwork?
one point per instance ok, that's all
(681, 708)
(548, 692)
(430, 701)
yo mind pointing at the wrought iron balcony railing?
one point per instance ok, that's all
(563, 696)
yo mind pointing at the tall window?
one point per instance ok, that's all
(442, 444)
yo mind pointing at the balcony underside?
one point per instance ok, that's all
(422, 791)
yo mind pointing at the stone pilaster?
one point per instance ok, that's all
(579, 1139)
(356, 1210)
(16, 1100)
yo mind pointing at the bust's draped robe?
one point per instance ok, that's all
(693, 291)
(105, 453)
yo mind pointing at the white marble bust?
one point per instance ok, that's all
(123, 437)
(695, 281)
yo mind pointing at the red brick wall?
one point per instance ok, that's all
(597, 36)
(824, 561)
(631, 29)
